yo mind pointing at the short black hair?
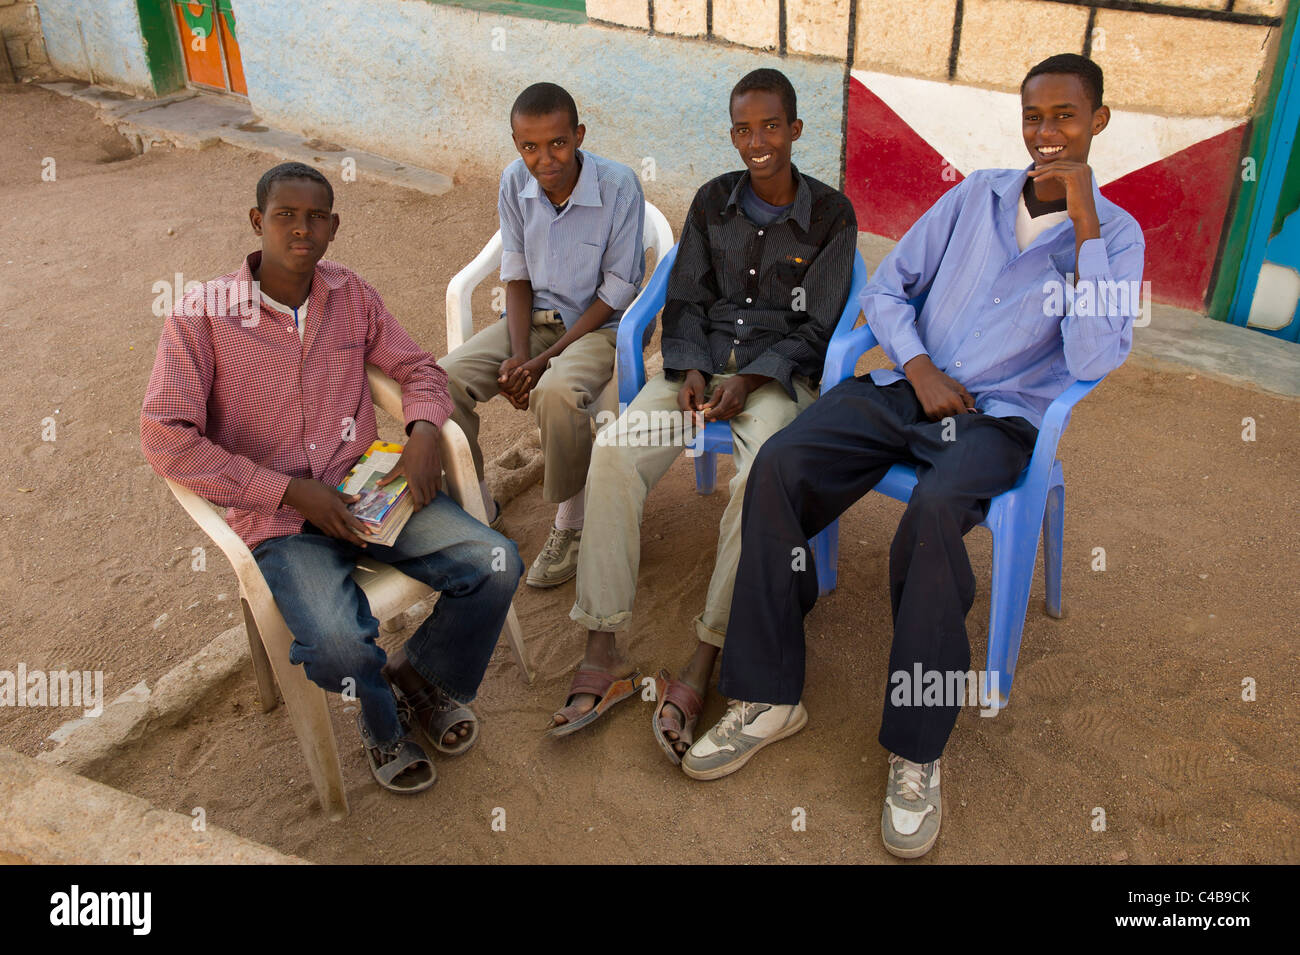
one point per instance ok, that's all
(768, 81)
(542, 99)
(1088, 72)
(290, 170)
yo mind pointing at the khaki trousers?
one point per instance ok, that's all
(626, 467)
(560, 401)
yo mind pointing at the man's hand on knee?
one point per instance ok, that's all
(420, 464)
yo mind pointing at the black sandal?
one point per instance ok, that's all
(388, 764)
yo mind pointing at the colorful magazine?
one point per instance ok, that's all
(384, 510)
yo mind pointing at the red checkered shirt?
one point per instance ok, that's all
(237, 405)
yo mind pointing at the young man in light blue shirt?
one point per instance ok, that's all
(572, 260)
(998, 258)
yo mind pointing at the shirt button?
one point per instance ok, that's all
(997, 301)
(749, 301)
(752, 272)
(740, 321)
(735, 341)
(312, 446)
(977, 334)
(760, 231)
(957, 363)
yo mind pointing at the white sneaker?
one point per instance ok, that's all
(743, 731)
(558, 560)
(913, 810)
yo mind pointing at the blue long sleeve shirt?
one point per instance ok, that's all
(1015, 328)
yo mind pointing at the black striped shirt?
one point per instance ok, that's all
(772, 294)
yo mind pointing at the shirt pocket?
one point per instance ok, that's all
(1043, 303)
(345, 363)
(581, 279)
(786, 274)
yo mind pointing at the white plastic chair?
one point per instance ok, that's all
(388, 590)
(658, 235)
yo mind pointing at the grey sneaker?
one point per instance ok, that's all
(913, 809)
(558, 560)
(743, 731)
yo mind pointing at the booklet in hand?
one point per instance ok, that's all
(384, 510)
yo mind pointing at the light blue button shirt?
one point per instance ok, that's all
(591, 249)
(1007, 324)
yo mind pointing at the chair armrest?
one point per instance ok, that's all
(848, 344)
(632, 326)
(460, 317)
(453, 446)
(386, 393)
(210, 520)
(1053, 426)
(458, 466)
(658, 233)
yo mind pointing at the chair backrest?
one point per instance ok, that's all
(657, 234)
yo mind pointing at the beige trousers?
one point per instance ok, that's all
(560, 402)
(628, 461)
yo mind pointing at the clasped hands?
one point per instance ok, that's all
(517, 377)
(728, 398)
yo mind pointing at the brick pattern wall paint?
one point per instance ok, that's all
(990, 43)
(20, 28)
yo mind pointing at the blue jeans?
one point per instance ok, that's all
(474, 569)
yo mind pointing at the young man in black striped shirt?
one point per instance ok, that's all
(762, 274)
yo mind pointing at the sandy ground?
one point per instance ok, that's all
(1133, 703)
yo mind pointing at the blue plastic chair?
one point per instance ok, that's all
(1037, 500)
(635, 330)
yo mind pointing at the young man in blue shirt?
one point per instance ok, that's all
(572, 260)
(974, 370)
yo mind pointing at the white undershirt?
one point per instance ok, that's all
(299, 314)
(1029, 228)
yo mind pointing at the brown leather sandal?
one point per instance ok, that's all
(691, 705)
(607, 688)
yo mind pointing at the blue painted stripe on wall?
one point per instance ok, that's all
(433, 85)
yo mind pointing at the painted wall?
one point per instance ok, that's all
(99, 41)
(900, 97)
(433, 84)
(932, 96)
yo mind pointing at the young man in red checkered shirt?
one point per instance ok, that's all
(259, 401)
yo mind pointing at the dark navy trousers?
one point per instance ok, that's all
(806, 476)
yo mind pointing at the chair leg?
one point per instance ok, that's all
(266, 691)
(1053, 549)
(706, 472)
(1013, 572)
(309, 713)
(515, 634)
(826, 552)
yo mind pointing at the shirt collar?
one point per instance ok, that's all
(801, 212)
(328, 275)
(585, 193)
(1013, 184)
